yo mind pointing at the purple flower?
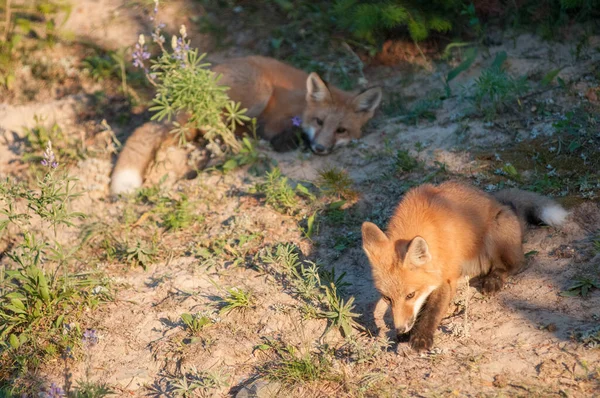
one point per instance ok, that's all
(54, 392)
(297, 121)
(180, 49)
(90, 337)
(140, 55)
(49, 158)
(157, 37)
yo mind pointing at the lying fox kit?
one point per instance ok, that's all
(274, 93)
(440, 233)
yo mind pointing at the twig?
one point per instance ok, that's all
(466, 319)
(7, 20)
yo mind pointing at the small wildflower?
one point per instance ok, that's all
(180, 49)
(68, 353)
(155, 6)
(157, 37)
(49, 158)
(90, 337)
(140, 54)
(54, 392)
(297, 121)
(183, 32)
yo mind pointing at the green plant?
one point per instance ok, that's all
(403, 162)
(140, 254)
(336, 182)
(317, 287)
(196, 322)
(40, 299)
(290, 367)
(495, 88)
(278, 193)
(24, 19)
(197, 383)
(581, 287)
(340, 313)
(185, 86)
(91, 390)
(176, 214)
(100, 67)
(249, 156)
(37, 137)
(371, 20)
(236, 299)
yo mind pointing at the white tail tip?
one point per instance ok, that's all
(125, 181)
(554, 215)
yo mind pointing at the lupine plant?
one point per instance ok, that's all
(185, 86)
(40, 300)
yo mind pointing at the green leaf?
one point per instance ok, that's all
(59, 321)
(584, 290)
(336, 205)
(187, 319)
(18, 304)
(549, 77)
(470, 56)
(14, 341)
(499, 60)
(569, 293)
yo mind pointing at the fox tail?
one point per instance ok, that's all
(532, 208)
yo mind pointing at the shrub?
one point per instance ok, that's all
(371, 20)
(186, 87)
(40, 299)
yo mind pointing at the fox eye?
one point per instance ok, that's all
(411, 295)
(319, 121)
(340, 130)
(387, 299)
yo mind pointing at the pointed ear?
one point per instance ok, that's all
(316, 89)
(368, 100)
(374, 240)
(418, 252)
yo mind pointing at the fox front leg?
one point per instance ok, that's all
(421, 336)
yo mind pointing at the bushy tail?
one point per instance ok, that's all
(532, 208)
(140, 148)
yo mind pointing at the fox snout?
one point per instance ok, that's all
(404, 328)
(319, 149)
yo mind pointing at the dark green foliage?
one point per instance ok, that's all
(371, 20)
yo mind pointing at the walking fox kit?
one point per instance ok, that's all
(274, 93)
(440, 233)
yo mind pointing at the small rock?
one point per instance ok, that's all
(260, 389)
(500, 381)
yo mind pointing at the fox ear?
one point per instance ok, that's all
(368, 100)
(374, 240)
(316, 89)
(418, 252)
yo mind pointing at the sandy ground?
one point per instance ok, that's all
(521, 342)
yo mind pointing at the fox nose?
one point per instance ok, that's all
(319, 149)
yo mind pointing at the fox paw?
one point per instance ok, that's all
(421, 342)
(492, 283)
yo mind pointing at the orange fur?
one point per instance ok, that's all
(438, 234)
(274, 93)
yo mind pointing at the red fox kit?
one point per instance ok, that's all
(274, 93)
(440, 233)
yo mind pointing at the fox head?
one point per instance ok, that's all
(403, 273)
(329, 122)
